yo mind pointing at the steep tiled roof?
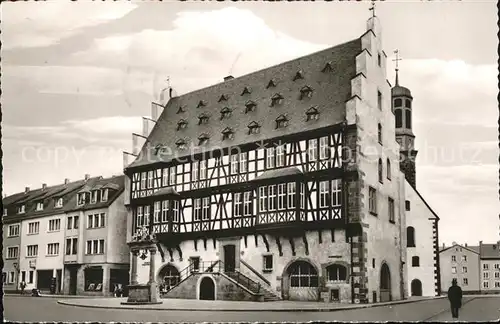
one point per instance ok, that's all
(474, 249)
(116, 184)
(490, 251)
(327, 73)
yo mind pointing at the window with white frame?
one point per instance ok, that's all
(336, 191)
(486, 266)
(302, 195)
(164, 211)
(312, 151)
(32, 251)
(156, 212)
(11, 277)
(372, 200)
(270, 158)
(464, 258)
(95, 247)
(486, 284)
(104, 195)
(497, 266)
(203, 169)
(69, 222)
(81, 199)
(486, 275)
(243, 162)
(71, 246)
(175, 211)
(150, 179)
(197, 209)
(147, 209)
(144, 176)
(323, 148)
(93, 197)
(59, 203)
(453, 269)
(139, 221)
(21, 209)
(465, 281)
(280, 156)
(53, 249)
(291, 195)
(39, 206)
(497, 284)
(54, 225)
(33, 227)
(263, 199)
(272, 198)
(13, 230)
(234, 163)
(464, 269)
(336, 272)
(194, 171)
(12, 252)
(282, 196)
(323, 194)
(268, 262)
(165, 177)
(247, 202)
(172, 175)
(497, 275)
(206, 208)
(453, 258)
(237, 204)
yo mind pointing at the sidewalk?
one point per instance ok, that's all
(50, 296)
(230, 306)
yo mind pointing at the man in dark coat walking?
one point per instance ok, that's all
(455, 298)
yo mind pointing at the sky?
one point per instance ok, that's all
(78, 76)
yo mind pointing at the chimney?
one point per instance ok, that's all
(229, 77)
(66, 181)
(87, 177)
(465, 244)
(44, 186)
(26, 190)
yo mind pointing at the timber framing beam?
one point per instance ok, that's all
(170, 253)
(320, 238)
(162, 253)
(306, 245)
(292, 244)
(265, 242)
(256, 240)
(178, 248)
(278, 243)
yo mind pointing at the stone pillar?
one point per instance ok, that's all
(105, 280)
(152, 266)
(133, 267)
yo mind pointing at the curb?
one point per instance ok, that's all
(326, 309)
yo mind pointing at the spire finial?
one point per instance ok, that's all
(372, 8)
(397, 59)
(168, 81)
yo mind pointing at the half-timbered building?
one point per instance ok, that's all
(280, 184)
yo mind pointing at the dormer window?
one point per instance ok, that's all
(202, 119)
(306, 92)
(225, 113)
(181, 144)
(203, 139)
(21, 209)
(281, 121)
(93, 197)
(182, 124)
(104, 195)
(59, 203)
(81, 199)
(223, 98)
(227, 134)
(271, 84)
(298, 76)
(327, 67)
(253, 128)
(39, 206)
(181, 110)
(277, 99)
(246, 90)
(312, 114)
(201, 103)
(250, 106)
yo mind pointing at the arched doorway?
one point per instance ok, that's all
(302, 282)
(207, 289)
(416, 287)
(385, 283)
(168, 278)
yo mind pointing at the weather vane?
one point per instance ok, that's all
(372, 8)
(168, 81)
(397, 59)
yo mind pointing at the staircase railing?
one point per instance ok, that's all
(191, 269)
(261, 277)
(241, 279)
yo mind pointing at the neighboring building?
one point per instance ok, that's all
(490, 267)
(96, 256)
(280, 186)
(41, 219)
(461, 262)
(40, 238)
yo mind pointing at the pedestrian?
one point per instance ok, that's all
(455, 298)
(22, 285)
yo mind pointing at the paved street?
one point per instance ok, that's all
(46, 309)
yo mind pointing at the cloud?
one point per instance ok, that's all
(116, 125)
(32, 24)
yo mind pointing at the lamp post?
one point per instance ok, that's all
(16, 267)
